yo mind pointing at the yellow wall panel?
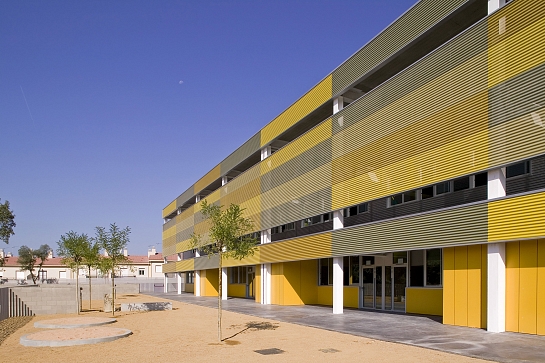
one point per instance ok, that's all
(206, 180)
(169, 209)
(308, 247)
(295, 148)
(292, 283)
(213, 197)
(325, 295)
(428, 100)
(448, 285)
(169, 267)
(258, 284)
(484, 285)
(455, 122)
(427, 301)
(350, 296)
(474, 286)
(528, 287)
(517, 53)
(185, 265)
(308, 183)
(236, 290)
(309, 281)
(460, 287)
(190, 288)
(183, 246)
(314, 98)
(540, 287)
(460, 157)
(277, 283)
(209, 282)
(247, 261)
(517, 218)
(512, 286)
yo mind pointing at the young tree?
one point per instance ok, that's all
(28, 259)
(72, 248)
(7, 222)
(113, 242)
(228, 237)
(91, 259)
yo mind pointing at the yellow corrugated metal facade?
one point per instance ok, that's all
(472, 104)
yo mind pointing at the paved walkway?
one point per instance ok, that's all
(421, 331)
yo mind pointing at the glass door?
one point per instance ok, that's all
(400, 282)
(378, 288)
(367, 295)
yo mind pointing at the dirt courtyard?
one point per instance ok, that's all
(189, 333)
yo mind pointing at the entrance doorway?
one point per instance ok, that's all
(250, 283)
(383, 282)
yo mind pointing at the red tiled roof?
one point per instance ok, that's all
(12, 261)
(159, 257)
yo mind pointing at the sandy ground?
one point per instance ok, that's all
(189, 333)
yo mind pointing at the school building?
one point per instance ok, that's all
(411, 178)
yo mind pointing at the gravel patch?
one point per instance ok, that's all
(11, 325)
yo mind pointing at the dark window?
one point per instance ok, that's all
(288, 227)
(433, 267)
(141, 272)
(396, 199)
(427, 192)
(461, 183)
(417, 268)
(363, 208)
(316, 219)
(326, 270)
(276, 230)
(409, 196)
(326, 217)
(442, 188)
(517, 169)
(352, 211)
(481, 179)
(400, 257)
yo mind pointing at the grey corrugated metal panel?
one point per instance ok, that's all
(242, 180)
(295, 210)
(468, 45)
(241, 154)
(185, 196)
(184, 234)
(451, 227)
(198, 217)
(301, 164)
(408, 27)
(205, 263)
(520, 95)
(169, 224)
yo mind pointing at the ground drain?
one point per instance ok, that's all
(329, 350)
(269, 351)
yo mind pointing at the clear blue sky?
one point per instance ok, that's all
(95, 126)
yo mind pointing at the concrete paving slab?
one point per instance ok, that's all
(423, 331)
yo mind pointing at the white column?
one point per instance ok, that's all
(496, 288)
(179, 281)
(224, 180)
(165, 284)
(265, 291)
(265, 236)
(265, 152)
(338, 219)
(197, 285)
(496, 262)
(197, 198)
(494, 5)
(338, 104)
(496, 183)
(224, 283)
(338, 285)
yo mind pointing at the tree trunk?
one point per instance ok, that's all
(77, 288)
(90, 295)
(113, 293)
(219, 296)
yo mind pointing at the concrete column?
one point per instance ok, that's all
(266, 152)
(224, 180)
(197, 199)
(179, 281)
(265, 236)
(265, 292)
(496, 288)
(165, 283)
(338, 104)
(197, 283)
(338, 285)
(224, 283)
(338, 219)
(494, 5)
(496, 183)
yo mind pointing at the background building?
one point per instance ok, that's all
(411, 178)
